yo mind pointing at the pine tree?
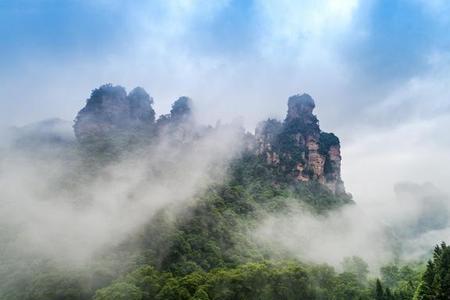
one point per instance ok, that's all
(435, 284)
(379, 293)
(388, 294)
(443, 273)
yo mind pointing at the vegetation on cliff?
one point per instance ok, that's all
(203, 247)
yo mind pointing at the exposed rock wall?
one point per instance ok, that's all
(298, 148)
(113, 121)
(111, 118)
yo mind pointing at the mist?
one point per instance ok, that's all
(402, 230)
(337, 51)
(378, 71)
(53, 202)
(55, 206)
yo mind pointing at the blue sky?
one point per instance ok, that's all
(379, 43)
(378, 69)
(398, 32)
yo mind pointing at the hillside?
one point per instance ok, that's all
(222, 182)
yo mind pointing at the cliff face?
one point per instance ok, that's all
(298, 148)
(113, 121)
(111, 118)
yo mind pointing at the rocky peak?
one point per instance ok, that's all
(113, 118)
(140, 106)
(301, 107)
(179, 125)
(298, 148)
(181, 109)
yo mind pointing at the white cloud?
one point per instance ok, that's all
(305, 24)
(297, 50)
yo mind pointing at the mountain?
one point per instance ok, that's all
(295, 149)
(44, 135)
(111, 119)
(206, 243)
(299, 149)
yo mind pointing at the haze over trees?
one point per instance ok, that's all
(143, 207)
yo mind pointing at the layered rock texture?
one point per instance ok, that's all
(295, 148)
(298, 148)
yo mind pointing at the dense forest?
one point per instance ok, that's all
(203, 247)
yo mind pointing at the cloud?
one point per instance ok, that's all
(404, 229)
(252, 55)
(52, 205)
(327, 239)
(299, 23)
(247, 57)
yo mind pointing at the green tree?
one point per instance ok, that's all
(119, 291)
(348, 287)
(357, 266)
(435, 283)
(379, 293)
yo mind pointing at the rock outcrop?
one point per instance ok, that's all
(111, 118)
(179, 125)
(113, 121)
(299, 149)
(296, 148)
(180, 113)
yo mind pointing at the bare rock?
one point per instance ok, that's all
(113, 119)
(299, 148)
